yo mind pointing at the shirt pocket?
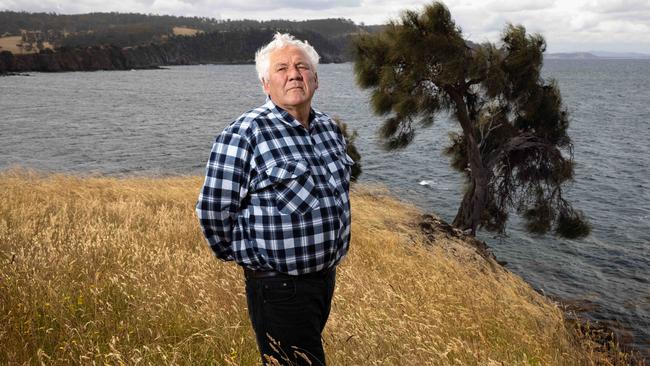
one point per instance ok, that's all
(293, 186)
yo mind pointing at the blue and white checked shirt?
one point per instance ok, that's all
(275, 195)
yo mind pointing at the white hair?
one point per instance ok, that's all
(281, 40)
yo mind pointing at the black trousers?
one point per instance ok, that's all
(288, 315)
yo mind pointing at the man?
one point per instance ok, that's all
(275, 200)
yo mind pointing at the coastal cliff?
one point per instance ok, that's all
(91, 58)
(115, 270)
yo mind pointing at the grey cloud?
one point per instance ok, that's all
(68, 7)
(639, 18)
(287, 4)
(187, 5)
(146, 3)
(513, 6)
(628, 13)
(619, 6)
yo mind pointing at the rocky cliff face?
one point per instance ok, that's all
(88, 59)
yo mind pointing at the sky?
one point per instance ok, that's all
(568, 26)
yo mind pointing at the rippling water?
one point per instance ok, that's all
(160, 122)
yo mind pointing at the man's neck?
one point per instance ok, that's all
(299, 113)
(302, 117)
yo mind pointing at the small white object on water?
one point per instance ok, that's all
(425, 182)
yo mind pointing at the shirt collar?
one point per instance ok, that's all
(287, 118)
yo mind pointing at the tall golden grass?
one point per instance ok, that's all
(115, 271)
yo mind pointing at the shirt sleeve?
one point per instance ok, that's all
(226, 185)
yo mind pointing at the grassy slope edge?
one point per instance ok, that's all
(116, 271)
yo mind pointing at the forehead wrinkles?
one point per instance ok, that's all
(289, 55)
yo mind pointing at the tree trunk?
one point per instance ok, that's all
(473, 204)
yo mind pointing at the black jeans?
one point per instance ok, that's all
(288, 315)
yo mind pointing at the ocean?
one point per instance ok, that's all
(162, 122)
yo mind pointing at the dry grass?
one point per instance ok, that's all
(115, 271)
(11, 43)
(184, 31)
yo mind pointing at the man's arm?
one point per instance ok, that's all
(226, 185)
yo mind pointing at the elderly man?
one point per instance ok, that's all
(275, 200)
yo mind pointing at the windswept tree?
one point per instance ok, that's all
(514, 149)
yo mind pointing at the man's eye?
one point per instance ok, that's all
(303, 67)
(281, 68)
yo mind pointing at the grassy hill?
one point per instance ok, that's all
(116, 271)
(117, 41)
(46, 30)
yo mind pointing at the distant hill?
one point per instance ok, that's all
(108, 41)
(128, 29)
(234, 47)
(625, 55)
(12, 22)
(596, 55)
(570, 56)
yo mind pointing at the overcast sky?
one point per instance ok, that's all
(577, 25)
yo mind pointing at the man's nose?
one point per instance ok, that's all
(294, 73)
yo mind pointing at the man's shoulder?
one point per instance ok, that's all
(327, 123)
(324, 117)
(246, 124)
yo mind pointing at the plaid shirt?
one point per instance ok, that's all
(275, 195)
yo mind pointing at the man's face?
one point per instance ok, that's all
(292, 80)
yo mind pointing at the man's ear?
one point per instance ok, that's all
(265, 86)
(316, 79)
